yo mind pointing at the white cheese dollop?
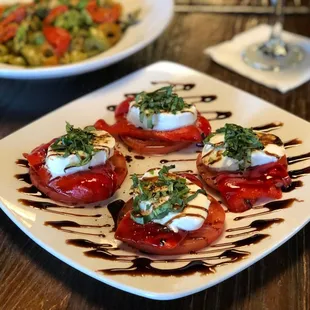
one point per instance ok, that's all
(213, 158)
(163, 121)
(56, 163)
(193, 215)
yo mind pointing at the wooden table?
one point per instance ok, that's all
(31, 278)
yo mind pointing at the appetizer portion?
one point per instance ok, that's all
(160, 122)
(244, 166)
(169, 214)
(79, 167)
(46, 33)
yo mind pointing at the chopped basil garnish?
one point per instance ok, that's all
(78, 142)
(161, 100)
(239, 143)
(160, 195)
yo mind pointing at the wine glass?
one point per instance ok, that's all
(275, 54)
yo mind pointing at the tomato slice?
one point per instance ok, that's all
(153, 147)
(96, 184)
(54, 13)
(59, 38)
(156, 239)
(184, 134)
(123, 108)
(124, 128)
(104, 14)
(240, 190)
(147, 237)
(240, 194)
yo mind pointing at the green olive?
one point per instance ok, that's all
(3, 50)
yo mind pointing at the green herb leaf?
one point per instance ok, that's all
(163, 194)
(78, 142)
(239, 143)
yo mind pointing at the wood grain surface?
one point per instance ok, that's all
(31, 278)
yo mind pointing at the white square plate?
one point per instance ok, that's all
(246, 110)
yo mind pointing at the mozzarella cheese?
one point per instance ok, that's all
(163, 121)
(56, 164)
(193, 215)
(212, 153)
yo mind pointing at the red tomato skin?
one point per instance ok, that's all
(123, 108)
(104, 15)
(151, 147)
(8, 32)
(240, 190)
(16, 16)
(96, 184)
(153, 239)
(124, 128)
(59, 38)
(54, 13)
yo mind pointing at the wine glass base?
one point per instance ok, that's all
(273, 57)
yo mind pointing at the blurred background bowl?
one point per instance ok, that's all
(154, 18)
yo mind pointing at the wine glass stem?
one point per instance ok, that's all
(278, 21)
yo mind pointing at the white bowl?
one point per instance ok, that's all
(155, 17)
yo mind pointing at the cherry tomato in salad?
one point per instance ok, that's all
(7, 32)
(16, 16)
(59, 38)
(54, 13)
(104, 14)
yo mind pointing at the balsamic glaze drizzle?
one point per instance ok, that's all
(296, 159)
(22, 162)
(62, 225)
(114, 208)
(165, 161)
(50, 207)
(145, 266)
(270, 206)
(293, 186)
(32, 191)
(84, 243)
(256, 225)
(24, 177)
(292, 143)
(268, 127)
(295, 174)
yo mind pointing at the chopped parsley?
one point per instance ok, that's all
(77, 141)
(160, 195)
(239, 143)
(161, 100)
